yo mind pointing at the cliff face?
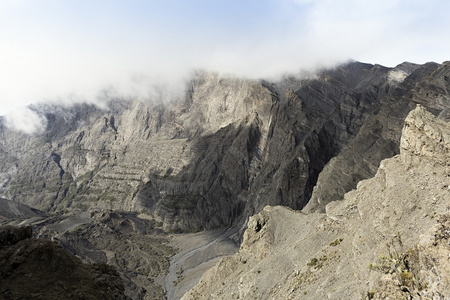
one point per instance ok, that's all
(379, 136)
(224, 151)
(117, 178)
(386, 239)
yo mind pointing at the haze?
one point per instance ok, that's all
(61, 50)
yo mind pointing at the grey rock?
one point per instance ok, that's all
(40, 269)
(374, 244)
(223, 152)
(10, 210)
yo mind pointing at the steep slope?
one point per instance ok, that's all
(386, 239)
(379, 136)
(116, 179)
(40, 269)
(215, 157)
(10, 210)
(131, 243)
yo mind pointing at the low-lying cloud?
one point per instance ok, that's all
(73, 51)
(26, 120)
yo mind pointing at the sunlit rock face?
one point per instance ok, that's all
(225, 150)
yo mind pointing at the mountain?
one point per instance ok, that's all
(387, 239)
(225, 151)
(40, 269)
(10, 210)
(213, 158)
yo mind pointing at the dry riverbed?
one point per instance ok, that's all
(197, 252)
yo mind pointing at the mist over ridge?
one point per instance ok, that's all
(229, 148)
(70, 52)
(150, 90)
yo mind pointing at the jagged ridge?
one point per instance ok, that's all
(224, 152)
(386, 239)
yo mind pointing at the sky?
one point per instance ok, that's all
(68, 51)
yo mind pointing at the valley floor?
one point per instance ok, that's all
(196, 253)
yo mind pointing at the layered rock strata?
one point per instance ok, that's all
(225, 150)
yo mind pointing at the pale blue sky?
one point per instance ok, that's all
(72, 49)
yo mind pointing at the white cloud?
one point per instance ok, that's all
(26, 120)
(68, 56)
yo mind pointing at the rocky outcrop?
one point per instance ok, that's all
(116, 179)
(386, 239)
(40, 269)
(425, 137)
(10, 235)
(379, 136)
(132, 243)
(226, 150)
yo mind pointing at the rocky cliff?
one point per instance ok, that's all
(387, 239)
(225, 150)
(113, 183)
